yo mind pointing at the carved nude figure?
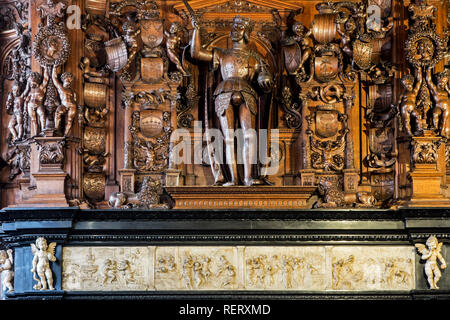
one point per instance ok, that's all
(305, 41)
(43, 254)
(7, 270)
(440, 96)
(68, 100)
(173, 45)
(346, 41)
(431, 253)
(133, 42)
(35, 99)
(109, 271)
(188, 264)
(227, 271)
(15, 103)
(408, 102)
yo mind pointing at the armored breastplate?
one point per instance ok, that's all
(237, 64)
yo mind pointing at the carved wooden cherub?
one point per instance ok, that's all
(43, 254)
(132, 38)
(68, 100)
(408, 102)
(346, 36)
(35, 99)
(7, 269)
(440, 97)
(15, 103)
(173, 46)
(431, 253)
(305, 41)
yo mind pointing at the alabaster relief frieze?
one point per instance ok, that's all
(107, 268)
(312, 268)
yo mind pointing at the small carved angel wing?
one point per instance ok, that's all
(10, 255)
(421, 248)
(51, 251)
(34, 249)
(439, 246)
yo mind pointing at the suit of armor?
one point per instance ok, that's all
(235, 97)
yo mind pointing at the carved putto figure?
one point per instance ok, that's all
(431, 252)
(43, 254)
(35, 99)
(68, 100)
(303, 37)
(173, 46)
(235, 97)
(133, 41)
(7, 270)
(14, 104)
(227, 272)
(440, 96)
(408, 102)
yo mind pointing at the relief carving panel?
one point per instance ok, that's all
(309, 268)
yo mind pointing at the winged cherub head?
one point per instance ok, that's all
(41, 244)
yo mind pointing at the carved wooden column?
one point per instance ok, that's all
(307, 176)
(127, 173)
(350, 173)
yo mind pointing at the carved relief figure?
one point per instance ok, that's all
(303, 37)
(43, 254)
(431, 252)
(133, 42)
(173, 40)
(227, 272)
(343, 273)
(332, 195)
(14, 104)
(234, 97)
(34, 101)
(346, 36)
(7, 270)
(408, 102)
(440, 96)
(68, 100)
(188, 265)
(109, 271)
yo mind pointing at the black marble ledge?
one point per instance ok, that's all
(20, 226)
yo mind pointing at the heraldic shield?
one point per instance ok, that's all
(152, 32)
(327, 123)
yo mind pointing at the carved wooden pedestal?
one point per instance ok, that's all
(264, 197)
(428, 172)
(48, 176)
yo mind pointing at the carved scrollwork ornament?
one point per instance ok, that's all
(150, 148)
(18, 159)
(425, 153)
(184, 105)
(292, 114)
(51, 153)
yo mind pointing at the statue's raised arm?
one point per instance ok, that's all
(197, 51)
